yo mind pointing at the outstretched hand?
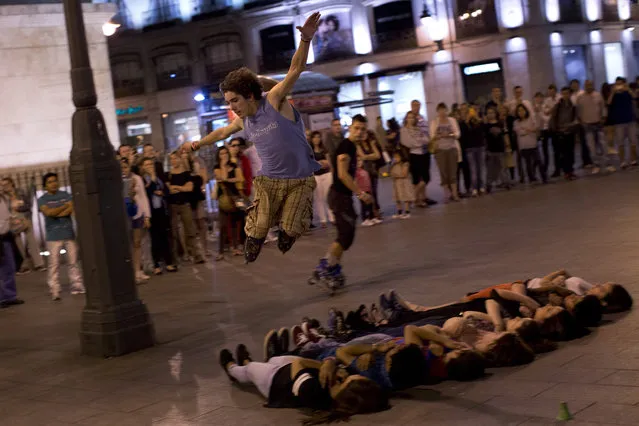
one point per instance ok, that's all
(309, 28)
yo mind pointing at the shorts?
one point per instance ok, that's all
(137, 223)
(420, 168)
(345, 217)
(284, 202)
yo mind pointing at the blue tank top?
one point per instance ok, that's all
(280, 143)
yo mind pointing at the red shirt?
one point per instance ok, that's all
(245, 165)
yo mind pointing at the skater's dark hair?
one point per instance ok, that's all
(468, 365)
(408, 368)
(361, 396)
(47, 176)
(244, 82)
(360, 119)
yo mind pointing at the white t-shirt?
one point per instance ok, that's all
(534, 283)
(578, 285)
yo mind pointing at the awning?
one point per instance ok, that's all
(310, 82)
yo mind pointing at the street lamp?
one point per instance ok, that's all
(114, 320)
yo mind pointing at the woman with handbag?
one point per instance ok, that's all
(229, 182)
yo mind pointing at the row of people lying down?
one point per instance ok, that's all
(352, 366)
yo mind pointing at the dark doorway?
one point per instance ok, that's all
(479, 78)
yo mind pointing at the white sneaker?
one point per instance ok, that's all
(376, 221)
(595, 170)
(611, 169)
(623, 166)
(141, 277)
(406, 216)
(397, 216)
(473, 193)
(79, 290)
(368, 223)
(612, 151)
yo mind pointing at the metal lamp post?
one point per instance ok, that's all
(114, 320)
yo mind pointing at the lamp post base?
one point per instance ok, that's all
(125, 328)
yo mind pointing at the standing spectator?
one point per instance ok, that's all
(403, 194)
(608, 127)
(621, 115)
(369, 151)
(575, 93)
(324, 180)
(495, 133)
(393, 134)
(199, 178)
(141, 221)
(416, 141)
(157, 192)
(334, 137)
(496, 99)
(510, 140)
(227, 191)
(518, 98)
(552, 98)
(57, 208)
(472, 131)
(381, 134)
(563, 123)
(180, 186)
(127, 152)
(8, 252)
(591, 109)
(444, 134)
(463, 168)
(237, 146)
(22, 213)
(415, 107)
(527, 131)
(149, 152)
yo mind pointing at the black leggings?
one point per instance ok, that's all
(161, 237)
(345, 217)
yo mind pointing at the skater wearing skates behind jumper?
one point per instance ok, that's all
(340, 200)
(285, 184)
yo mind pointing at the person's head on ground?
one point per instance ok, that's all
(613, 297)
(504, 349)
(502, 110)
(399, 156)
(528, 330)
(242, 91)
(351, 395)
(442, 110)
(539, 98)
(308, 134)
(556, 323)
(406, 366)
(316, 141)
(464, 365)
(50, 183)
(587, 310)
(125, 151)
(463, 111)
(522, 112)
(358, 128)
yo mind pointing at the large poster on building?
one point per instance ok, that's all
(475, 18)
(334, 38)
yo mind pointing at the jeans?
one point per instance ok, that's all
(75, 276)
(260, 373)
(546, 139)
(496, 168)
(477, 167)
(464, 169)
(530, 157)
(566, 147)
(622, 132)
(598, 152)
(7, 273)
(30, 251)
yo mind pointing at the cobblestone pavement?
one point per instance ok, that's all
(588, 226)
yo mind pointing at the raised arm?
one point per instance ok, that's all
(278, 93)
(215, 136)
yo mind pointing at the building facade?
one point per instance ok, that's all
(383, 53)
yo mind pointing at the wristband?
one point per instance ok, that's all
(195, 146)
(308, 40)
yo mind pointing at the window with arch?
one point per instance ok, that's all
(128, 76)
(222, 53)
(172, 70)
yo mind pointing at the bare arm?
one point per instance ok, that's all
(343, 160)
(278, 94)
(417, 335)
(524, 300)
(347, 354)
(54, 212)
(68, 211)
(219, 134)
(300, 364)
(494, 313)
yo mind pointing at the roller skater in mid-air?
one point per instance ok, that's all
(340, 201)
(285, 184)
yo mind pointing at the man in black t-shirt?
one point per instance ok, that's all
(340, 201)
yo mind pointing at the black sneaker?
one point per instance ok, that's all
(284, 338)
(226, 357)
(284, 241)
(271, 345)
(242, 354)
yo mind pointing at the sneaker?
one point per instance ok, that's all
(396, 216)
(384, 302)
(376, 315)
(623, 166)
(405, 216)
(397, 300)
(271, 345)
(23, 271)
(299, 338)
(611, 169)
(312, 333)
(368, 223)
(430, 202)
(242, 354)
(474, 193)
(340, 325)
(595, 170)
(55, 296)
(312, 322)
(78, 291)
(364, 314)
(482, 191)
(252, 249)
(226, 358)
(40, 268)
(633, 164)
(376, 221)
(284, 338)
(141, 276)
(331, 322)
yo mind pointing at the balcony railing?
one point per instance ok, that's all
(216, 72)
(130, 87)
(394, 40)
(174, 79)
(279, 61)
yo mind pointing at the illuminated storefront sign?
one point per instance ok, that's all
(128, 111)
